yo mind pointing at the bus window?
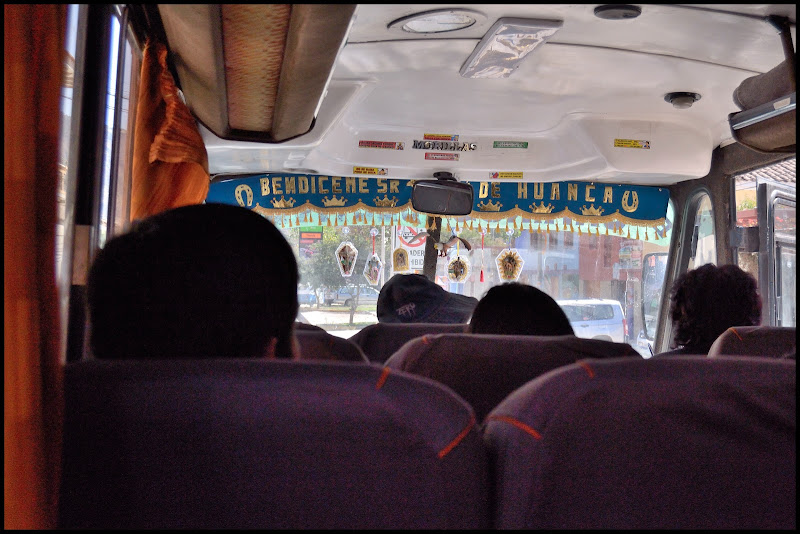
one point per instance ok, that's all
(703, 241)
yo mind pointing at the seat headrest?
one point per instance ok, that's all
(766, 341)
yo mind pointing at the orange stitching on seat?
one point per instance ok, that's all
(516, 423)
(451, 446)
(382, 379)
(588, 369)
(425, 340)
(737, 333)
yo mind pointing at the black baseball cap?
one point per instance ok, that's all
(412, 298)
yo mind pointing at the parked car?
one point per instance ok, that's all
(345, 296)
(306, 296)
(596, 318)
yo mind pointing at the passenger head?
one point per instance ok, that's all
(412, 298)
(708, 300)
(519, 309)
(200, 281)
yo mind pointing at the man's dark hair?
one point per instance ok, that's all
(514, 308)
(708, 300)
(200, 281)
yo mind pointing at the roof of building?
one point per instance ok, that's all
(784, 172)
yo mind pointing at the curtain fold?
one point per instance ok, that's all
(170, 163)
(33, 393)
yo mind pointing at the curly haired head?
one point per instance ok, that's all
(708, 300)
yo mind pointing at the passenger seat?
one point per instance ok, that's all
(321, 345)
(485, 368)
(266, 444)
(687, 442)
(381, 340)
(765, 341)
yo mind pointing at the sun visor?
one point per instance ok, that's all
(767, 122)
(277, 60)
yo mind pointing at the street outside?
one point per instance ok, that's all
(336, 320)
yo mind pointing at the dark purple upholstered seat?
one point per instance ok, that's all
(267, 444)
(766, 341)
(687, 442)
(485, 368)
(381, 340)
(320, 345)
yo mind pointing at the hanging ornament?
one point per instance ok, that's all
(374, 266)
(373, 269)
(458, 268)
(509, 264)
(346, 255)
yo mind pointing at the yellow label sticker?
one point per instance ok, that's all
(370, 170)
(631, 143)
(440, 137)
(507, 175)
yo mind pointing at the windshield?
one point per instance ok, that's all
(569, 259)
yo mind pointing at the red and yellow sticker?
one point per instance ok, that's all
(440, 137)
(506, 175)
(390, 145)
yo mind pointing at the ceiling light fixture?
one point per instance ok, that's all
(617, 12)
(681, 100)
(437, 21)
(505, 45)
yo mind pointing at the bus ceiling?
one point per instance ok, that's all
(362, 89)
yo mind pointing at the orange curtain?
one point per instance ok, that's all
(33, 394)
(170, 164)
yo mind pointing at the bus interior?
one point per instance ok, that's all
(594, 151)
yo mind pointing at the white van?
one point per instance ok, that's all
(596, 318)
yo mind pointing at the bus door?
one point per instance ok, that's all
(777, 256)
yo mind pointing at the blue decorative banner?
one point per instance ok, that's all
(314, 198)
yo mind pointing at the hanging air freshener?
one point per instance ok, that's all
(374, 266)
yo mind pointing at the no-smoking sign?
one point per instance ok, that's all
(406, 234)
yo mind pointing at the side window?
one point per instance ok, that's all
(784, 258)
(604, 313)
(116, 179)
(68, 91)
(703, 242)
(766, 220)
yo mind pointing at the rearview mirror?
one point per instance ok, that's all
(444, 196)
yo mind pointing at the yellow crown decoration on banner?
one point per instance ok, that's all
(385, 202)
(489, 206)
(541, 208)
(591, 211)
(282, 203)
(333, 202)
